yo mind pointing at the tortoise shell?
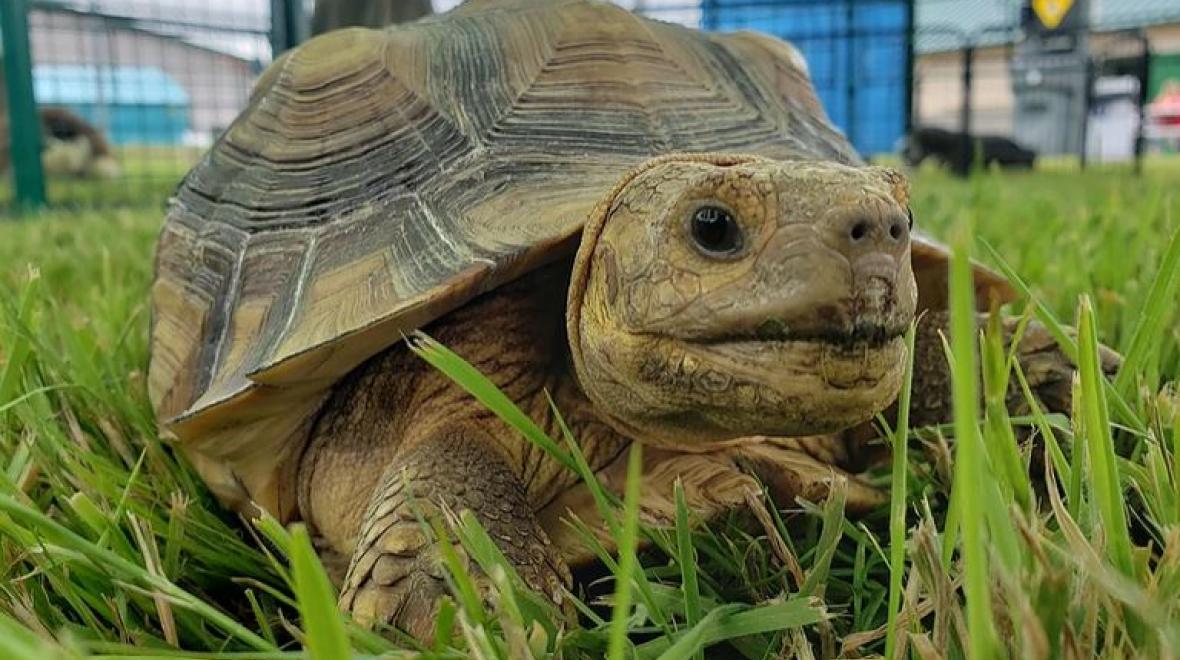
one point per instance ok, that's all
(379, 179)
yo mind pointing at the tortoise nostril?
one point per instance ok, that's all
(896, 231)
(859, 231)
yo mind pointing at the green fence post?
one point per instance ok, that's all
(24, 126)
(287, 25)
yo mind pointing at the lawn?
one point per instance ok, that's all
(149, 173)
(110, 546)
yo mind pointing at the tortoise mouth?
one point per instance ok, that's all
(863, 334)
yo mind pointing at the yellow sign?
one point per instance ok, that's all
(1051, 12)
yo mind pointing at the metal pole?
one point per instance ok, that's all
(909, 68)
(850, 53)
(709, 20)
(965, 120)
(1087, 101)
(287, 27)
(23, 123)
(1144, 79)
(278, 28)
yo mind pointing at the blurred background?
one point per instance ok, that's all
(109, 102)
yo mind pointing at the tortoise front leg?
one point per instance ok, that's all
(396, 575)
(806, 468)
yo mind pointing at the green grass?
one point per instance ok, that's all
(110, 545)
(149, 174)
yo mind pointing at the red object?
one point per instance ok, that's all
(1165, 109)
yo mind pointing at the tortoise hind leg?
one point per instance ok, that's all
(1046, 366)
(396, 575)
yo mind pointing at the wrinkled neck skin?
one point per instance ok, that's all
(796, 339)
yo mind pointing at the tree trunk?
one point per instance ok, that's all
(333, 14)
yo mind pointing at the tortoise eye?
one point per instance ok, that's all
(715, 231)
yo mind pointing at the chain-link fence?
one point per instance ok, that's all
(962, 88)
(978, 103)
(858, 54)
(129, 93)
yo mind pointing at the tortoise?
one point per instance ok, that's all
(657, 227)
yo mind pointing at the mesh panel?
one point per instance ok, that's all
(132, 92)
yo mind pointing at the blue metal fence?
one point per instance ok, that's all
(859, 53)
(160, 87)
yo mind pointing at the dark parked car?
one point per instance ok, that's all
(959, 153)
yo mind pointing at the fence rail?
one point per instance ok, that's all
(127, 94)
(158, 80)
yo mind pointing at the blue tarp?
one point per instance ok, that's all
(856, 50)
(131, 105)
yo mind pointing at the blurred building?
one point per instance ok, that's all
(944, 27)
(129, 76)
(132, 105)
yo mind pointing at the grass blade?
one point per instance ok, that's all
(898, 493)
(999, 436)
(687, 560)
(19, 643)
(462, 581)
(627, 559)
(1104, 477)
(326, 638)
(829, 538)
(971, 471)
(469, 378)
(124, 569)
(1157, 310)
(1067, 343)
(733, 622)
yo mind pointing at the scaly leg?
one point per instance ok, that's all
(1048, 370)
(396, 576)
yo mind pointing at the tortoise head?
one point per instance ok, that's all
(717, 297)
